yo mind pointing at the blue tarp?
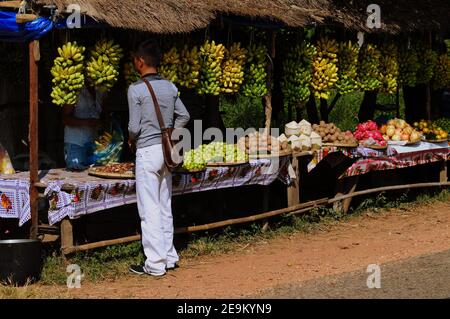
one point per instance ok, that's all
(12, 31)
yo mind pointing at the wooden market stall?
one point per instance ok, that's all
(169, 17)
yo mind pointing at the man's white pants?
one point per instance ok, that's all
(154, 199)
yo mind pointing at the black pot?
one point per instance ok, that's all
(20, 261)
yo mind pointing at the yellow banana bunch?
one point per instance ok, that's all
(297, 73)
(211, 57)
(169, 65)
(389, 68)
(255, 77)
(233, 69)
(325, 69)
(441, 78)
(189, 67)
(408, 66)
(369, 67)
(130, 74)
(67, 72)
(427, 58)
(348, 67)
(103, 67)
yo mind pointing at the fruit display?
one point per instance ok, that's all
(441, 78)
(347, 67)
(189, 67)
(256, 143)
(369, 135)
(444, 123)
(297, 73)
(397, 130)
(389, 68)
(116, 168)
(330, 133)
(169, 65)
(302, 137)
(325, 70)
(67, 72)
(193, 160)
(211, 57)
(130, 74)
(431, 130)
(428, 59)
(233, 69)
(408, 66)
(103, 66)
(255, 74)
(369, 68)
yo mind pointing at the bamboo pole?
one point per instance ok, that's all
(33, 139)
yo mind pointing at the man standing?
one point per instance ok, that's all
(153, 179)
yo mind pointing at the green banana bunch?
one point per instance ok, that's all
(169, 65)
(441, 78)
(325, 69)
(103, 67)
(211, 57)
(348, 67)
(368, 67)
(389, 68)
(255, 74)
(427, 58)
(297, 73)
(408, 66)
(233, 69)
(189, 67)
(67, 72)
(130, 74)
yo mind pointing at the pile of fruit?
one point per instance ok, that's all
(215, 152)
(330, 133)
(211, 57)
(189, 67)
(255, 72)
(169, 65)
(444, 123)
(397, 130)
(297, 73)
(431, 131)
(258, 143)
(348, 67)
(389, 68)
(233, 69)
(103, 66)
(325, 70)
(369, 68)
(67, 72)
(369, 135)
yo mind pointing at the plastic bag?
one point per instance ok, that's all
(5, 162)
(108, 147)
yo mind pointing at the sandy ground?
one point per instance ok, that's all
(272, 268)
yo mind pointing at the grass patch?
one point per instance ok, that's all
(112, 262)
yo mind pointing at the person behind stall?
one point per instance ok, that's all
(153, 179)
(82, 123)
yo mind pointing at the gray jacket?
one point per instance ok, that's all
(143, 126)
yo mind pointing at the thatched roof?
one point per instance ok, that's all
(177, 16)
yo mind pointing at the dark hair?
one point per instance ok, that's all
(149, 51)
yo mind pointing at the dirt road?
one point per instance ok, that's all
(304, 265)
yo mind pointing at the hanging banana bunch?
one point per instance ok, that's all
(103, 67)
(427, 58)
(441, 78)
(189, 67)
(348, 67)
(211, 57)
(67, 72)
(408, 66)
(369, 67)
(389, 69)
(325, 69)
(130, 74)
(297, 73)
(255, 73)
(169, 65)
(233, 69)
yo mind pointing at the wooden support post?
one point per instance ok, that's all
(33, 50)
(270, 72)
(345, 186)
(353, 183)
(66, 236)
(443, 173)
(293, 191)
(266, 205)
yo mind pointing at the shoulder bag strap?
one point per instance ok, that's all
(156, 104)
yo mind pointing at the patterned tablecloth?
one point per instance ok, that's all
(92, 194)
